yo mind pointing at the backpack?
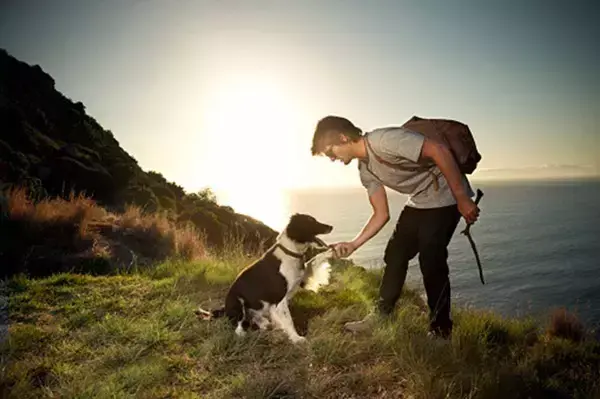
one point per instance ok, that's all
(455, 135)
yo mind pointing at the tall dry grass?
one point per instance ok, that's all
(157, 237)
(564, 324)
(68, 234)
(72, 215)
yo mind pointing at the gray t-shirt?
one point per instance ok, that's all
(402, 147)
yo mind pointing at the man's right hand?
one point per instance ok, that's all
(343, 249)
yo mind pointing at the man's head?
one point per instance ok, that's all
(335, 137)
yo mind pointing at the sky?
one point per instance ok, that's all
(226, 94)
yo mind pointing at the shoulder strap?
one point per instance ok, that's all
(392, 165)
(379, 159)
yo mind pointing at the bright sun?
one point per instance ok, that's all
(244, 129)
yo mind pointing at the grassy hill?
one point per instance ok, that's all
(135, 335)
(50, 146)
(110, 327)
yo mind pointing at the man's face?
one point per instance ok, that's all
(340, 152)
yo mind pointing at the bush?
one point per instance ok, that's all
(565, 325)
(154, 236)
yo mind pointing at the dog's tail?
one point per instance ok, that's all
(236, 313)
(210, 314)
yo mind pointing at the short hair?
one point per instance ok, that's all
(333, 125)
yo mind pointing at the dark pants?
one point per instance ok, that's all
(428, 233)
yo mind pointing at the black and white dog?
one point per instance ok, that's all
(260, 294)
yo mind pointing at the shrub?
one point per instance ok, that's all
(75, 234)
(565, 325)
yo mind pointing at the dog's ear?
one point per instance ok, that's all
(294, 217)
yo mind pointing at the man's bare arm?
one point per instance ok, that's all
(379, 217)
(444, 159)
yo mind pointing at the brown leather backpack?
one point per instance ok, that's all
(455, 135)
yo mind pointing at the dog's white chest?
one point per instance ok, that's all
(292, 271)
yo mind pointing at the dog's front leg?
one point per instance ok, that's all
(281, 317)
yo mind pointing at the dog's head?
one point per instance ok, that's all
(305, 229)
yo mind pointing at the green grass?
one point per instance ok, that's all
(76, 336)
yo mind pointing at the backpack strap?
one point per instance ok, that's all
(436, 184)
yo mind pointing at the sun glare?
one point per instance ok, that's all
(243, 131)
(268, 205)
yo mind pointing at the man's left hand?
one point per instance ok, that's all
(469, 210)
(343, 249)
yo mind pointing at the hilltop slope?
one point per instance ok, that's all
(75, 336)
(52, 147)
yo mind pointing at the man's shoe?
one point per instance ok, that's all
(366, 324)
(438, 334)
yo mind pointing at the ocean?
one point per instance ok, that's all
(539, 244)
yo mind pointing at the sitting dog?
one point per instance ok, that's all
(260, 294)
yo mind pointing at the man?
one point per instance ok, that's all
(425, 170)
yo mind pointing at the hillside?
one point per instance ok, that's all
(75, 336)
(52, 147)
